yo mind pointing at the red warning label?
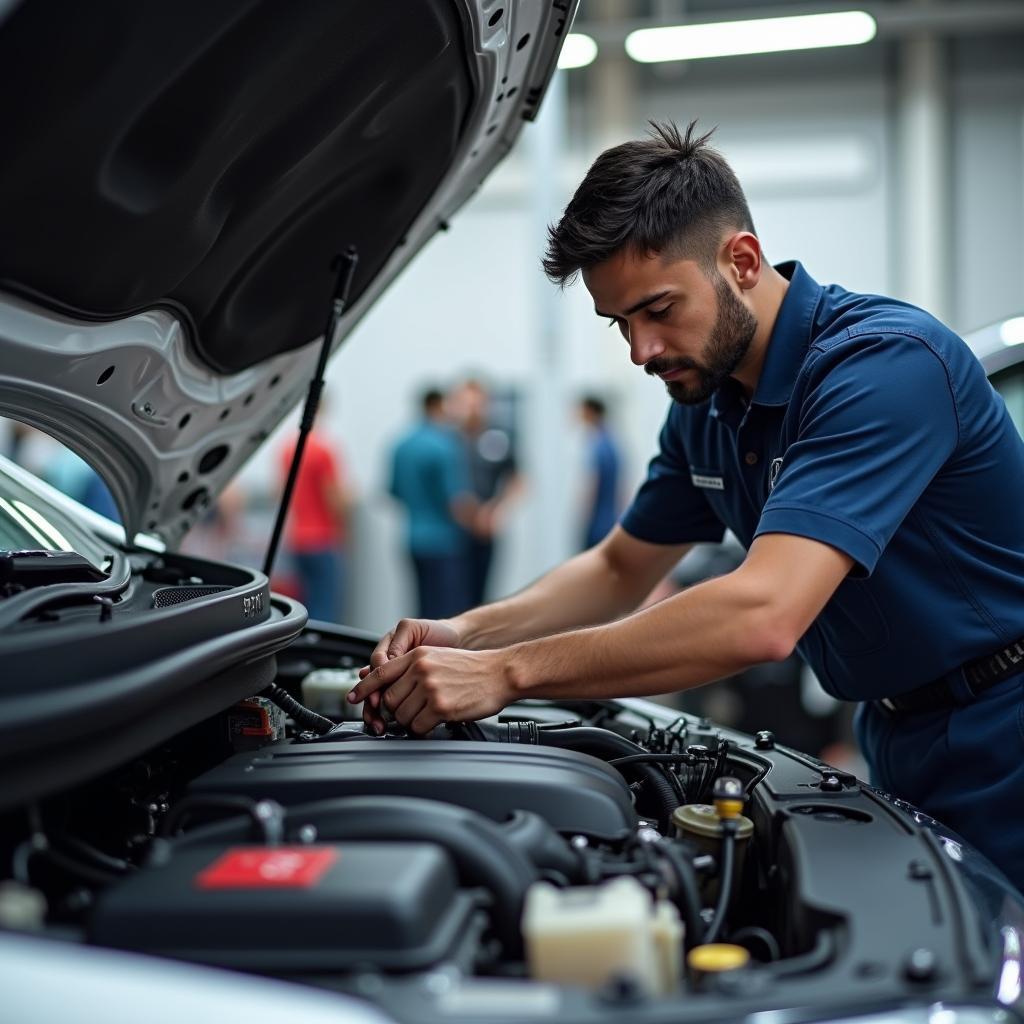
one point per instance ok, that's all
(267, 867)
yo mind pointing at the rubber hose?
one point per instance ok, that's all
(531, 834)
(302, 716)
(724, 881)
(589, 740)
(661, 789)
(477, 845)
(229, 802)
(606, 744)
(688, 893)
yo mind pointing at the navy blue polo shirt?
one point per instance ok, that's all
(872, 429)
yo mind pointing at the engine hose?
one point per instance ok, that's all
(266, 815)
(304, 718)
(589, 740)
(609, 745)
(662, 792)
(531, 834)
(725, 874)
(687, 892)
(478, 846)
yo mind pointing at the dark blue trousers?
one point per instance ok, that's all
(322, 575)
(964, 767)
(442, 585)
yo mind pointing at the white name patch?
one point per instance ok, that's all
(710, 483)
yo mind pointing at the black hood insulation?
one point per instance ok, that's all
(214, 157)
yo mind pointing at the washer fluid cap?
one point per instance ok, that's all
(717, 957)
(703, 820)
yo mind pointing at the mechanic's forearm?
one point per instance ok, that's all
(585, 590)
(710, 631)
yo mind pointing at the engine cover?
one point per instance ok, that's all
(292, 909)
(573, 792)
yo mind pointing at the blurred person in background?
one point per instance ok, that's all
(493, 478)
(602, 462)
(60, 467)
(317, 529)
(430, 477)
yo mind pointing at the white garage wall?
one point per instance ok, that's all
(988, 169)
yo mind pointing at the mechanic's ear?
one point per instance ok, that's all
(742, 255)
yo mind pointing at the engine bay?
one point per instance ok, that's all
(579, 858)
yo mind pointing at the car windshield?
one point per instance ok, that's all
(28, 522)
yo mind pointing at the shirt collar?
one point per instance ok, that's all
(791, 335)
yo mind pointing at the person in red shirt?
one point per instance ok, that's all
(316, 532)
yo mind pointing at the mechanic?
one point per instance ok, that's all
(851, 442)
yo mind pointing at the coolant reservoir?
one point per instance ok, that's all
(325, 690)
(701, 825)
(588, 935)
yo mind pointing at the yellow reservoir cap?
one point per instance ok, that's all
(729, 808)
(717, 957)
(703, 820)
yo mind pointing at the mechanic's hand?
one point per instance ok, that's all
(430, 685)
(407, 635)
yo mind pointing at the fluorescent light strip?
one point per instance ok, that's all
(578, 51)
(1011, 332)
(761, 35)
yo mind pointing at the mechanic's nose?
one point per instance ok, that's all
(643, 347)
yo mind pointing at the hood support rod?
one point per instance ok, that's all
(344, 268)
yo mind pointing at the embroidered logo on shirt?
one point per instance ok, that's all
(773, 473)
(711, 483)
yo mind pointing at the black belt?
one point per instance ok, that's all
(978, 675)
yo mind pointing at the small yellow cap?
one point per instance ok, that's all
(716, 957)
(729, 808)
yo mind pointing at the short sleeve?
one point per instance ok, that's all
(668, 508)
(454, 469)
(877, 421)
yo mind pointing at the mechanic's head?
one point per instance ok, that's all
(661, 232)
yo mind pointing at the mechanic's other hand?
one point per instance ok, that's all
(410, 633)
(430, 685)
(407, 635)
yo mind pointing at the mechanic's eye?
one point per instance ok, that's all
(657, 314)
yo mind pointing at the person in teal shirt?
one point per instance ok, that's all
(430, 477)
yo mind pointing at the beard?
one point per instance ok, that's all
(724, 350)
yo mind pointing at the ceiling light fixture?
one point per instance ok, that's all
(578, 51)
(760, 35)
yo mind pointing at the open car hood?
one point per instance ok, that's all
(177, 181)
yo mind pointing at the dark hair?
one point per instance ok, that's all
(431, 399)
(667, 193)
(594, 405)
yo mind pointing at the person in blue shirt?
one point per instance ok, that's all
(602, 472)
(429, 476)
(854, 446)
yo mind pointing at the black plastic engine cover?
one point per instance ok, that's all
(292, 909)
(572, 792)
